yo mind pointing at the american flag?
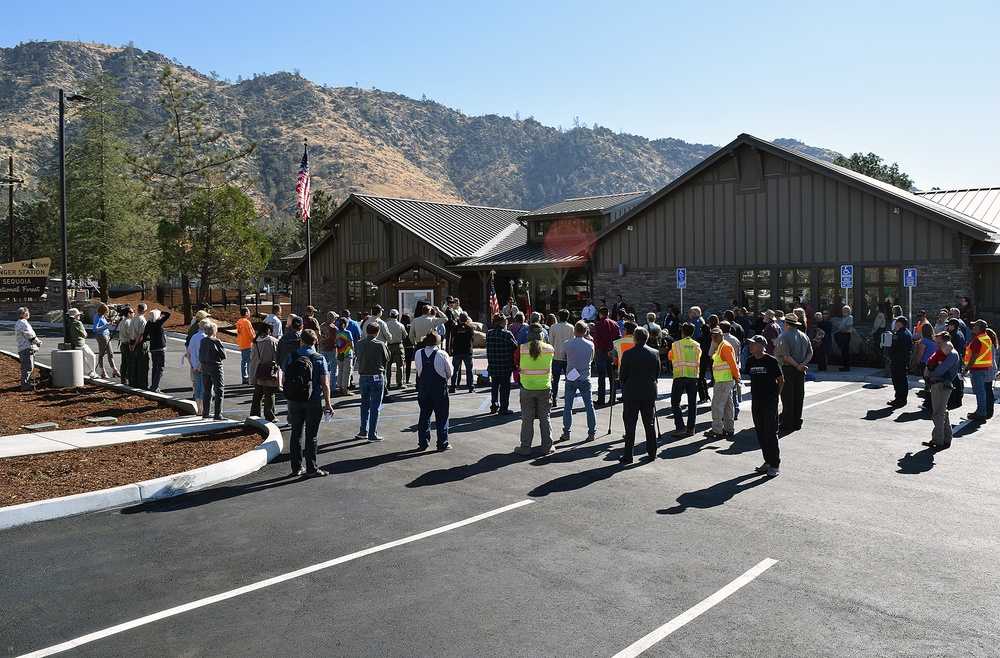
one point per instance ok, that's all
(494, 302)
(302, 186)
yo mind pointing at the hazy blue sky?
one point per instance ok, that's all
(914, 82)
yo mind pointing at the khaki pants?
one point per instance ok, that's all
(723, 408)
(535, 404)
(941, 434)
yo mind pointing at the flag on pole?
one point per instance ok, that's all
(494, 302)
(302, 185)
(527, 302)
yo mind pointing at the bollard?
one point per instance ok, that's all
(67, 368)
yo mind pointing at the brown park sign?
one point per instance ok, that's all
(24, 280)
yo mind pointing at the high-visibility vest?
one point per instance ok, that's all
(685, 355)
(623, 345)
(984, 357)
(721, 371)
(536, 373)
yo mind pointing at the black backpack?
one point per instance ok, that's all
(299, 378)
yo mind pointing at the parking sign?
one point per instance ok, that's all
(846, 276)
(910, 278)
(682, 277)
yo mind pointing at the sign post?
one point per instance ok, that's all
(682, 283)
(910, 282)
(847, 281)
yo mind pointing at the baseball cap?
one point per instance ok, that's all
(393, 313)
(759, 340)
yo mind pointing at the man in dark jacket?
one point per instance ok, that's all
(638, 371)
(899, 356)
(291, 339)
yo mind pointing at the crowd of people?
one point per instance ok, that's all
(709, 357)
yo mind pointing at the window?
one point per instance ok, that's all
(793, 283)
(831, 295)
(755, 290)
(880, 284)
(361, 291)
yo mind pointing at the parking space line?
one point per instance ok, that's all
(836, 397)
(200, 603)
(692, 613)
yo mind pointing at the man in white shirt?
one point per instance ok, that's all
(589, 312)
(434, 371)
(559, 333)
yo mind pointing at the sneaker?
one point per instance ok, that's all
(361, 436)
(505, 412)
(564, 436)
(772, 472)
(526, 452)
(92, 375)
(446, 446)
(318, 473)
(493, 410)
(680, 431)
(300, 472)
(451, 390)
(219, 418)
(763, 468)
(550, 451)
(590, 437)
(374, 438)
(711, 434)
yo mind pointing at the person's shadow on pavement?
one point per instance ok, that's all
(715, 495)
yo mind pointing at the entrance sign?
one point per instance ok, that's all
(24, 280)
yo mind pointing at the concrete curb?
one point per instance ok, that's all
(140, 492)
(186, 407)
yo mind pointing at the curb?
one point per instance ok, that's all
(186, 407)
(158, 489)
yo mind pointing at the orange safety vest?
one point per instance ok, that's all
(722, 370)
(984, 357)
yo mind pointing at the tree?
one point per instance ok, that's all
(216, 238)
(871, 165)
(184, 159)
(108, 234)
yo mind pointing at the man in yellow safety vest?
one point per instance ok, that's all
(685, 354)
(726, 373)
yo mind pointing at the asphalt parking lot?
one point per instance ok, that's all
(867, 544)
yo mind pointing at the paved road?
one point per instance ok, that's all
(882, 548)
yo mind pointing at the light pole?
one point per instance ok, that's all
(76, 98)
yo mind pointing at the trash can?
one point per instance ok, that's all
(67, 368)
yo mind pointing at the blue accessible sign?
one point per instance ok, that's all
(910, 278)
(846, 276)
(682, 277)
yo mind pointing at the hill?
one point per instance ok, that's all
(360, 140)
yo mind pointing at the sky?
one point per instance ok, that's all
(914, 82)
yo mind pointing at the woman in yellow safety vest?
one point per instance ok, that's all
(534, 362)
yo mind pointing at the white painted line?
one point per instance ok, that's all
(836, 397)
(200, 603)
(683, 618)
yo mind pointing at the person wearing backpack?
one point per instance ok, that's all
(307, 390)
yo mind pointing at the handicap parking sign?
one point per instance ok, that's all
(846, 276)
(910, 278)
(682, 277)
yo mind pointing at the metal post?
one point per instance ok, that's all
(62, 213)
(10, 201)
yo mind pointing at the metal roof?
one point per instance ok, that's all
(514, 251)
(969, 225)
(982, 203)
(599, 204)
(458, 231)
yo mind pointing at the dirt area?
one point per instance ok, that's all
(48, 475)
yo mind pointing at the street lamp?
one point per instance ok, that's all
(76, 98)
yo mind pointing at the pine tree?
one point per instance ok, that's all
(181, 161)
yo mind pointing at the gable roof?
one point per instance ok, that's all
(458, 231)
(970, 226)
(599, 204)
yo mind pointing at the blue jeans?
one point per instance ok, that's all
(304, 414)
(581, 387)
(332, 366)
(436, 402)
(605, 370)
(682, 385)
(372, 387)
(558, 368)
(456, 361)
(244, 365)
(977, 378)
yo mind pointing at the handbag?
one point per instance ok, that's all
(267, 371)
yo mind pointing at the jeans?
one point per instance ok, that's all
(558, 368)
(372, 387)
(456, 361)
(499, 391)
(244, 366)
(331, 366)
(581, 387)
(159, 360)
(436, 402)
(307, 414)
(212, 383)
(27, 367)
(977, 379)
(680, 386)
(604, 367)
